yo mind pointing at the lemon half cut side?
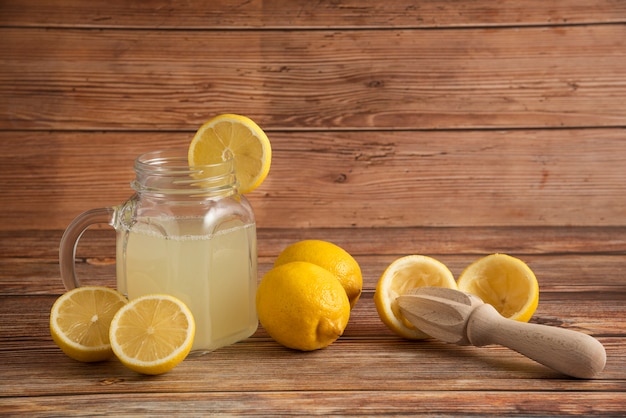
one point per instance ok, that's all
(80, 320)
(152, 334)
(505, 282)
(403, 274)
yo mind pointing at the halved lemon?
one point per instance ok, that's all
(233, 136)
(403, 274)
(80, 319)
(152, 334)
(505, 282)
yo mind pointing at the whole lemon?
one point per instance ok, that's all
(330, 257)
(302, 306)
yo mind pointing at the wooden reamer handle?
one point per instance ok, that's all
(569, 352)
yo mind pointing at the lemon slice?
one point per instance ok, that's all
(407, 273)
(233, 136)
(80, 319)
(152, 334)
(505, 282)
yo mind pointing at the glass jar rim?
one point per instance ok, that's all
(173, 161)
(166, 172)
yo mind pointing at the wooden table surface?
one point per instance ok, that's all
(453, 129)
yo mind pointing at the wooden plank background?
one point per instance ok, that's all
(449, 128)
(416, 118)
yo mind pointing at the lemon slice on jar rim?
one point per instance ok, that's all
(233, 136)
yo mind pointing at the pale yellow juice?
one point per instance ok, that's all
(214, 274)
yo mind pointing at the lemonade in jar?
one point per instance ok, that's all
(188, 231)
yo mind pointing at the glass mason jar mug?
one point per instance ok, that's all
(185, 232)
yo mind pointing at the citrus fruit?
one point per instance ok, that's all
(331, 257)
(403, 274)
(302, 306)
(233, 136)
(80, 319)
(505, 282)
(152, 334)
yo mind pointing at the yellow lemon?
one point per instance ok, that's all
(403, 274)
(233, 136)
(331, 257)
(80, 319)
(505, 282)
(302, 306)
(152, 334)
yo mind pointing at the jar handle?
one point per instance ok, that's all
(69, 241)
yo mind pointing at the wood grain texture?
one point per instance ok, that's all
(542, 77)
(453, 129)
(303, 14)
(579, 291)
(399, 366)
(575, 268)
(345, 179)
(332, 403)
(367, 357)
(384, 242)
